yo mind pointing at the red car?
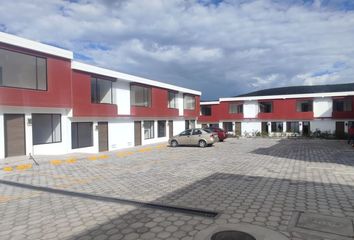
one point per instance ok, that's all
(222, 134)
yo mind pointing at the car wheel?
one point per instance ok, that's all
(174, 143)
(202, 144)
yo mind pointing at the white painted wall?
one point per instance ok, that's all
(250, 127)
(322, 107)
(2, 137)
(250, 109)
(121, 96)
(180, 104)
(178, 126)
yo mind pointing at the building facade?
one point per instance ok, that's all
(51, 104)
(284, 111)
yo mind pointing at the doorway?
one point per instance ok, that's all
(103, 136)
(238, 128)
(340, 130)
(137, 133)
(170, 128)
(306, 128)
(15, 137)
(264, 127)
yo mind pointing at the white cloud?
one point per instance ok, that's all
(223, 50)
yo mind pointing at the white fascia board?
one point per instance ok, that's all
(307, 95)
(127, 77)
(35, 46)
(209, 103)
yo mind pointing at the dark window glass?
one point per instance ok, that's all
(304, 106)
(189, 102)
(161, 128)
(101, 91)
(197, 132)
(81, 134)
(235, 108)
(342, 105)
(172, 99)
(46, 128)
(140, 96)
(265, 107)
(22, 71)
(292, 127)
(205, 110)
(186, 133)
(227, 126)
(148, 129)
(277, 126)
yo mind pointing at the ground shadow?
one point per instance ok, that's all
(311, 150)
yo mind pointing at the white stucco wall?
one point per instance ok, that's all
(250, 109)
(323, 125)
(250, 127)
(122, 97)
(322, 107)
(180, 104)
(2, 137)
(120, 134)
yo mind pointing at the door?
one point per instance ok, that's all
(15, 139)
(186, 124)
(137, 133)
(264, 127)
(340, 130)
(103, 136)
(170, 128)
(306, 128)
(238, 128)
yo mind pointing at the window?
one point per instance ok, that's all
(22, 71)
(186, 133)
(304, 106)
(81, 135)
(277, 126)
(161, 129)
(342, 105)
(197, 132)
(172, 99)
(292, 127)
(235, 108)
(140, 96)
(227, 126)
(205, 110)
(46, 128)
(148, 129)
(265, 107)
(189, 102)
(101, 91)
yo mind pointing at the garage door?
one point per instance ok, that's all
(15, 141)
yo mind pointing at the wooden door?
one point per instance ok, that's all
(340, 129)
(137, 133)
(170, 128)
(186, 124)
(103, 136)
(15, 138)
(264, 127)
(238, 128)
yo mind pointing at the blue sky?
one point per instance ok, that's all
(223, 48)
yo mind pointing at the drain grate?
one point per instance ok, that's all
(231, 235)
(322, 225)
(171, 208)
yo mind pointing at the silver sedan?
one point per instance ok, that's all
(196, 137)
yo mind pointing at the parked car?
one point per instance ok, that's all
(222, 134)
(196, 137)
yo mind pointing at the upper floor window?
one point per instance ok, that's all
(342, 105)
(22, 71)
(172, 99)
(265, 107)
(304, 106)
(205, 110)
(235, 108)
(101, 91)
(140, 96)
(189, 102)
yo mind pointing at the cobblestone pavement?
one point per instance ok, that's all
(256, 181)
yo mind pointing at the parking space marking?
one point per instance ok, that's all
(8, 169)
(71, 160)
(56, 162)
(23, 166)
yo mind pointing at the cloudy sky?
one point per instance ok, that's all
(222, 48)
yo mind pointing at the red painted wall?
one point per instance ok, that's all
(193, 113)
(220, 112)
(345, 115)
(82, 106)
(58, 94)
(285, 109)
(159, 106)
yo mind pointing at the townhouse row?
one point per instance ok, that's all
(51, 104)
(280, 111)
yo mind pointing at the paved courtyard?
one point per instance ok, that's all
(263, 182)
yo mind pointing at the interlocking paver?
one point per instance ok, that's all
(256, 181)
